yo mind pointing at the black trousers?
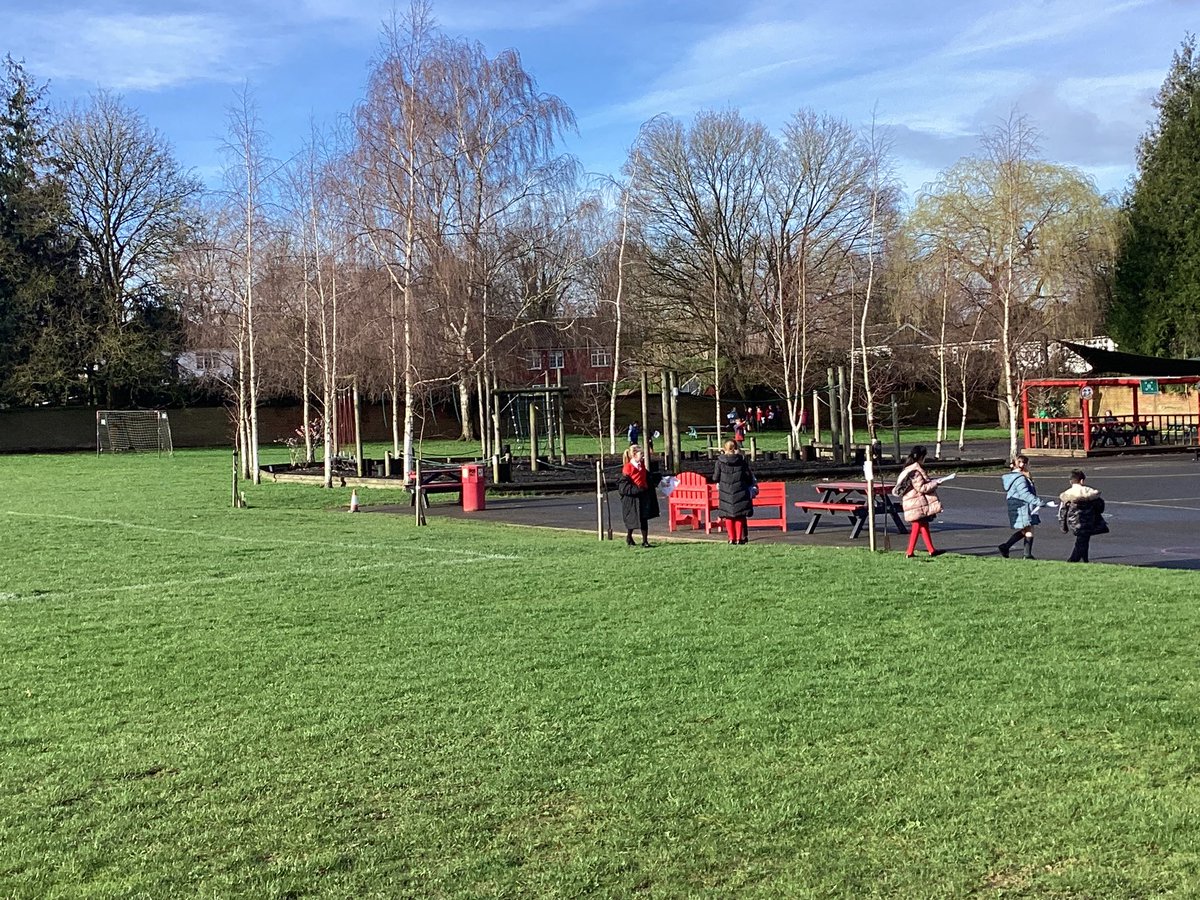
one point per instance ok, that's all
(1080, 553)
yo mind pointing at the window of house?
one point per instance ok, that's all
(601, 358)
(207, 360)
(556, 359)
(534, 359)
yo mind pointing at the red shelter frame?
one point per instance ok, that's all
(1084, 432)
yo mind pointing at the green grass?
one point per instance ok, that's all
(589, 444)
(289, 701)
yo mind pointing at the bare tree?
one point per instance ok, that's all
(130, 204)
(697, 197)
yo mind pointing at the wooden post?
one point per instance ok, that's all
(896, 427)
(791, 446)
(677, 452)
(816, 404)
(481, 401)
(844, 414)
(646, 417)
(869, 472)
(358, 441)
(753, 448)
(387, 463)
(495, 413)
(599, 502)
(835, 438)
(417, 494)
(236, 499)
(562, 423)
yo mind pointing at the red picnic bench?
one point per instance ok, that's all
(850, 497)
(694, 503)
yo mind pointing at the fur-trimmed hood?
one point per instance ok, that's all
(1079, 493)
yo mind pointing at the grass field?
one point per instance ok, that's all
(589, 444)
(289, 701)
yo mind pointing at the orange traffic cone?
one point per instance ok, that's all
(354, 501)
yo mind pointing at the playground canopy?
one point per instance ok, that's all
(1091, 416)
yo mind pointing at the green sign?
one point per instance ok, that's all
(1149, 385)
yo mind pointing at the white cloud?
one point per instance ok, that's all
(130, 51)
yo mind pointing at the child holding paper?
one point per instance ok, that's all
(1023, 505)
(918, 494)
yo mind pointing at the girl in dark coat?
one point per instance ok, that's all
(735, 482)
(638, 502)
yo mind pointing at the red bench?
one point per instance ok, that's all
(856, 511)
(770, 494)
(694, 502)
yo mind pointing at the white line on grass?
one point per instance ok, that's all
(469, 555)
(258, 575)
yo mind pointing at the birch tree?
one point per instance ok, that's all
(1015, 225)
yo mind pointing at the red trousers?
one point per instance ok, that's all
(920, 529)
(735, 527)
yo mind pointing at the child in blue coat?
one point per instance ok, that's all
(1023, 506)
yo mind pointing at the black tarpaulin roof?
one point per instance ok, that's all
(1114, 362)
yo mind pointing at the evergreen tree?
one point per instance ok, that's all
(1156, 304)
(44, 327)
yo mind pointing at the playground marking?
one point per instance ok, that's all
(467, 555)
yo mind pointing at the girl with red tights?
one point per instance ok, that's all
(918, 493)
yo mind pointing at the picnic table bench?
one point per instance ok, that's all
(437, 480)
(850, 498)
(699, 431)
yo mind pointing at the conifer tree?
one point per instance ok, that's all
(1156, 304)
(44, 330)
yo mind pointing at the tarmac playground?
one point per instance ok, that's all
(1152, 504)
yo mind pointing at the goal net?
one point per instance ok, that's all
(133, 429)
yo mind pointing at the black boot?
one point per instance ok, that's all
(1008, 545)
(1029, 548)
(629, 538)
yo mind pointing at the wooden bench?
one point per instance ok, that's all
(856, 511)
(434, 481)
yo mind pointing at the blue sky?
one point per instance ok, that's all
(935, 73)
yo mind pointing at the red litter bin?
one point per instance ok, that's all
(473, 489)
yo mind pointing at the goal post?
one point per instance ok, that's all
(121, 430)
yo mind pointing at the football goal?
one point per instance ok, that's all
(119, 430)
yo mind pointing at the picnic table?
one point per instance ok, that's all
(1121, 434)
(850, 497)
